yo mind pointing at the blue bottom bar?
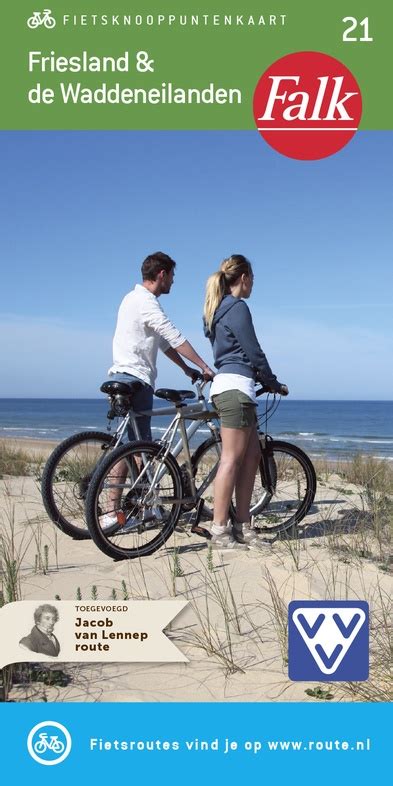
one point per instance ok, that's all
(277, 742)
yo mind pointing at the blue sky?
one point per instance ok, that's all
(81, 210)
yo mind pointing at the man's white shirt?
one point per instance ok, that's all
(142, 329)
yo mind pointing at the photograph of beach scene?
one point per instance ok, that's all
(81, 211)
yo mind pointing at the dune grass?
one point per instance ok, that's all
(229, 630)
(16, 461)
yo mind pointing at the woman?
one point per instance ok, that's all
(240, 362)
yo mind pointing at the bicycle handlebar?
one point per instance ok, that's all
(197, 377)
(265, 389)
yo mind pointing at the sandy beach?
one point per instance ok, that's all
(234, 628)
(36, 447)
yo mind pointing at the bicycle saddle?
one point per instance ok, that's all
(120, 388)
(176, 396)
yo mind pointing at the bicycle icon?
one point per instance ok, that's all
(41, 18)
(54, 744)
(48, 747)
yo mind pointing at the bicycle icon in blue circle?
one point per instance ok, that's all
(49, 742)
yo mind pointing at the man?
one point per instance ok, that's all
(42, 639)
(142, 329)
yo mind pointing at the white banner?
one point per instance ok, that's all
(64, 630)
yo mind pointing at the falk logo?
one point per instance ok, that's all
(307, 105)
(328, 641)
(40, 18)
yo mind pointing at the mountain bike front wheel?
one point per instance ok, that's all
(134, 500)
(284, 488)
(205, 462)
(66, 477)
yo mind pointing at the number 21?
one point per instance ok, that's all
(353, 26)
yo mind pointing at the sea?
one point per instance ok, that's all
(324, 429)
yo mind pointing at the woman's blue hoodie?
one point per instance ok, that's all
(235, 346)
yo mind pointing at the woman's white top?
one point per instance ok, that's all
(224, 382)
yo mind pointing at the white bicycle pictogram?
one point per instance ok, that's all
(41, 18)
(53, 744)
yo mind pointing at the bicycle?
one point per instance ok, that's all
(41, 18)
(54, 744)
(69, 468)
(145, 487)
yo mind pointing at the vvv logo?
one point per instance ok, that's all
(40, 18)
(328, 641)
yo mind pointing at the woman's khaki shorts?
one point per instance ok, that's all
(236, 410)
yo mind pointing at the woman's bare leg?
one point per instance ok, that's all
(234, 447)
(246, 477)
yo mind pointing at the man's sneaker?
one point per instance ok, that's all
(111, 522)
(118, 523)
(131, 525)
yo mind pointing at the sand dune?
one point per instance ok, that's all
(245, 657)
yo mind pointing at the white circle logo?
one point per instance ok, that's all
(49, 743)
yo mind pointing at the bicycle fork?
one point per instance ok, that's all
(265, 464)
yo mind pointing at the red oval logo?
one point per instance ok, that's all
(307, 105)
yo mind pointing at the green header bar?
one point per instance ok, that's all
(133, 64)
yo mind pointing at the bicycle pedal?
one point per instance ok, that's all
(201, 531)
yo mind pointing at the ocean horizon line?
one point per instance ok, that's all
(289, 399)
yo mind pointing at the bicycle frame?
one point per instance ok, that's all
(197, 413)
(153, 491)
(191, 411)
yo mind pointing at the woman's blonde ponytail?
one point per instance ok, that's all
(215, 291)
(218, 285)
